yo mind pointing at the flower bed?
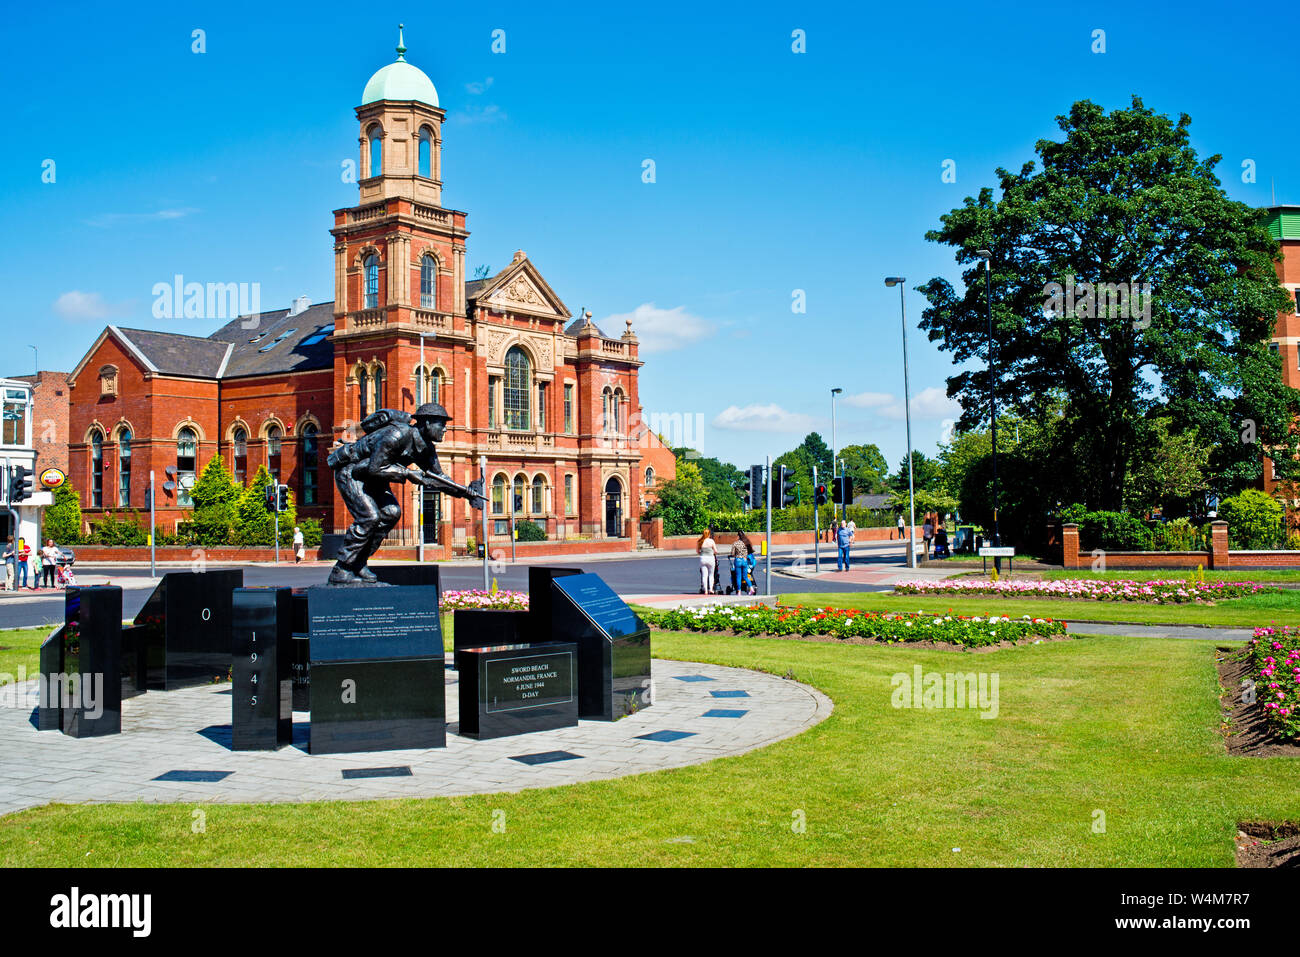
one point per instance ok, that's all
(1167, 591)
(477, 598)
(1276, 656)
(971, 631)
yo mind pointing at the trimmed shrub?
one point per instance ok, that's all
(1254, 520)
(529, 531)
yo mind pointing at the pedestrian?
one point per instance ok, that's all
(299, 545)
(927, 533)
(941, 542)
(24, 553)
(10, 557)
(843, 538)
(901, 525)
(741, 549)
(49, 561)
(707, 549)
(750, 565)
(36, 568)
(853, 529)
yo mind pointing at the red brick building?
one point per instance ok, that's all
(554, 404)
(1284, 224)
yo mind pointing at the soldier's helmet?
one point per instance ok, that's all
(431, 410)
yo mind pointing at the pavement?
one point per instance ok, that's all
(175, 746)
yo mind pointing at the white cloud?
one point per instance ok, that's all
(477, 89)
(106, 220)
(931, 403)
(762, 418)
(869, 400)
(659, 330)
(84, 305)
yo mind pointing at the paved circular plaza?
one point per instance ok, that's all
(175, 747)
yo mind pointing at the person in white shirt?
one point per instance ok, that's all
(49, 560)
(299, 548)
(708, 551)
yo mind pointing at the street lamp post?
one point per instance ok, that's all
(835, 483)
(987, 256)
(907, 414)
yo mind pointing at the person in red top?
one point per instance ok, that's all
(24, 553)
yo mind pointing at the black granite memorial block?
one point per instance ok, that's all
(480, 627)
(613, 646)
(516, 689)
(377, 673)
(539, 600)
(261, 703)
(409, 574)
(135, 660)
(188, 622)
(92, 660)
(50, 715)
(300, 666)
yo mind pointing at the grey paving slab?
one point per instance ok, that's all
(163, 731)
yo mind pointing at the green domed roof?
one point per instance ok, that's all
(400, 81)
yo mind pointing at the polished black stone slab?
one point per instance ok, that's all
(666, 736)
(517, 689)
(92, 660)
(197, 777)
(383, 705)
(539, 600)
(546, 757)
(300, 671)
(478, 627)
(371, 623)
(410, 574)
(49, 716)
(613, 646)
(135, 660)
(399, 771)
(188, 627)
(261, 703)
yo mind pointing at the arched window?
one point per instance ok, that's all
(605, 402)
(539, 495)
(372, 282)
(239, 458)
(499, 495)
(187, 455)
(124, 469)
(649, 477)
(273, 452)
(521, 488)
(426, 153)
(428, 282)
(617, 412)
(97, 470)
(378, 382)
(428, 386)
(376, 150)
(309, 456)
(363, 392)
(519, 380)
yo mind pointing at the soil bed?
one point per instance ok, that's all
(1246, 731)
(1266, 844)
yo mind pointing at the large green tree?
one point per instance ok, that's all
(926, 473)
(1122, 198)
(721, 479)
(866, 468)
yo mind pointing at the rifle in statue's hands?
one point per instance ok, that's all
(473, 491)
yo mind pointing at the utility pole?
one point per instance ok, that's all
(817, 528)
(422, 386)
(512, 524)
(767, 486)
(153, 530)
(482, 471)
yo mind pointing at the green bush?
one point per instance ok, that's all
(62, 520)
(796, 519)
(529, 531)
(109, 529)
(1254, 520)
(1180, 535)
(311, 531)
(1110, 531)
(216, 498)
(256, 524)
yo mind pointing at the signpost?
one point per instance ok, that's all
(996, 552)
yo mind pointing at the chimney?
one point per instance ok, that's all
(301, 304)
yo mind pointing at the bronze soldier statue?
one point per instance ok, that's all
(364, 470)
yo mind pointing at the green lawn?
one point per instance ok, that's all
(22, 647)
(1235, 613)
(1125, 726)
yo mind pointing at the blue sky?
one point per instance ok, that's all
(775, 171)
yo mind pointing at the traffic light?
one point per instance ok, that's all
(20, 484)
(756, 487)
(268, 498)
(821, 495)
(783, 493)
(282, 498)
(842, 490)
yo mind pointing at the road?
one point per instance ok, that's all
(647, 574)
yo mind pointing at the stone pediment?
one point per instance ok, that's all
(520, 288)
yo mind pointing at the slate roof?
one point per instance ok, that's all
(474, 286)
(256, 349)
(576, 326)
(175, 354)
(872, 501)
